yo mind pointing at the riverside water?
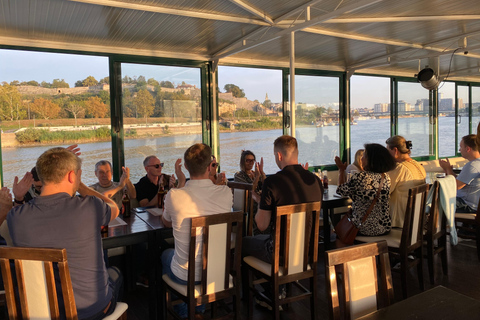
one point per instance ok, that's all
(318, 145)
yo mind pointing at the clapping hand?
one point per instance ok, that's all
(5, 202)
(20, 188)
(75, 149)
(125, 176)
(304, 166)
(446, 166)
(341, 166)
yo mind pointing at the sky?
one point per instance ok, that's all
(256, 83)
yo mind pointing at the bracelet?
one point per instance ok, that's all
(18, 201)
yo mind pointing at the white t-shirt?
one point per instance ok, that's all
(197, 198)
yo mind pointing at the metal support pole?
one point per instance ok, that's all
(292, 84)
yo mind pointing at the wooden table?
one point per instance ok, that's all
(331, 200)
(138, 231)
(437, 303)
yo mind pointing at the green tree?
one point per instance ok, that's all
(105, 96)
(95, 108)
(89, 82)
(45, 84)
(145, 103)
(127, 79)
(45, 108)
(105, 80)
(15, 83)
(235, 90)
(30, 83)
(129, 108)
(76, 109)
(166, 84)
(57, 83)
(10, 102)
(153, 82)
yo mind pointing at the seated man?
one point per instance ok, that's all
(147, 187)
(199, 197)
(109, 188)
(291, 185)
(59, 219)
(468, 181)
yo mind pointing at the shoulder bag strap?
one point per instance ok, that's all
(365, 216)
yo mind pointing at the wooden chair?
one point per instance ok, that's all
(435, 236)
(220, 279)
(408, 241)
(242, 201)
(469, 223)
(35, 282)
(293, 260)
(358, 272)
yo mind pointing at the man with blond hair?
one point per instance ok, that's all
(59, 219)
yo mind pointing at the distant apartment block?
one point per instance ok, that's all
(381, 108)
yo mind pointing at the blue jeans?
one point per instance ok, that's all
(462, 207)
(181, 309)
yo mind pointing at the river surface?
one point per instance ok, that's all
(318, 145)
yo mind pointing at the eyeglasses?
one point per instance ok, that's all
(249, 160)
(156, 165)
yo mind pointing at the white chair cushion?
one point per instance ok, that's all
(120, 309)
(182, 289)
(264, 267)
(466, 216)
(393, 238)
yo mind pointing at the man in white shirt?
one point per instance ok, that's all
(199, 197)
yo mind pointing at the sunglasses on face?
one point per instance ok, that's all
(156, 165)
(216, 164)
(249, 160)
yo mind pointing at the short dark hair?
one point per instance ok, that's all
(379, 159)
(470, 141)
(243, 156)
(286, 144)
(102, 163)
(197, 159)
(34, 174)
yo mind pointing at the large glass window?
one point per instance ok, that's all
(48, 100)
(369, 112)
(250, 115)
(413, 124)
(162, 114)
(463, 103)
(446, 120)
(317, 118)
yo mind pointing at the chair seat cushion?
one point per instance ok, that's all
(182, 289)
(264, 267)
(120, 309)
(393, 238)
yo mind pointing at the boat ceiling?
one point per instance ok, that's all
(385, 37)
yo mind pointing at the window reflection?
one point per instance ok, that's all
(446, 120)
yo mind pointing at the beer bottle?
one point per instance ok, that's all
(126, 205)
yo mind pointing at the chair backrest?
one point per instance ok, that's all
(360, 269)
(216, 253)
(35, 280)
(436, 222)
(242, 201)
(412, 232)
(295, 241)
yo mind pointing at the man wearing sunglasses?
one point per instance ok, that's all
(148, 186)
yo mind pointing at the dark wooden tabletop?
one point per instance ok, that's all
(437, 303)
(135, 231)
(333, 200)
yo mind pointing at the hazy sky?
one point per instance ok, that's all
(256, 83)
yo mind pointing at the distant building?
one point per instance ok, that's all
(446, 104)
(381, 108)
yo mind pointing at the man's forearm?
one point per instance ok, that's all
(86, 191)
(132, 193)
(151, 203)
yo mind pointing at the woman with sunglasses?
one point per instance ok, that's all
(248, 175)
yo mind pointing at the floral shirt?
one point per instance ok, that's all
(362, 189)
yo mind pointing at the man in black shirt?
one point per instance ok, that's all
(147, 187)
(291, 185)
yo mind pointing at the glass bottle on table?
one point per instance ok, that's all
(161, 196)
(126, 205)
(325, 181)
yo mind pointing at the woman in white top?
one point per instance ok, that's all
(357, 163)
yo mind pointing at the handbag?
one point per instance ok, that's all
(345, 229)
